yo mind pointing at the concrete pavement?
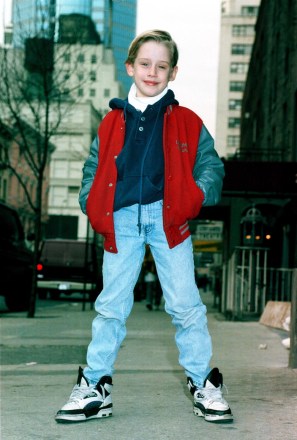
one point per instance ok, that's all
(40, 358)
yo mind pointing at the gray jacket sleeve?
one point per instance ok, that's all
(208, 169)
(89, 171)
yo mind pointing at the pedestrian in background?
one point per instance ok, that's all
(150, 279)
(151, 168)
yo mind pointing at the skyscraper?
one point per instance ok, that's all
(114, 21)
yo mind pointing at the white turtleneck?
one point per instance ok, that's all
(141, 102)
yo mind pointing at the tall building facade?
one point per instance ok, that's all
(269, 108)
(119, 31)
(238, 18)
(115, 23)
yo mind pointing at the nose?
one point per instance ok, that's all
(152, 70)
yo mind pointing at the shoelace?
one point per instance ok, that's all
(79, 392)
(214, 394)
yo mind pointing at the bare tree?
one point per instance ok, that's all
(35, 95)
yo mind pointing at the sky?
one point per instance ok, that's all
(195, 26)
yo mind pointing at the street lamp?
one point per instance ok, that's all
(253, 225)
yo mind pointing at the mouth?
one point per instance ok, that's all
(151, 83)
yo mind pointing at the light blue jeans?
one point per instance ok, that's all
(175, 268)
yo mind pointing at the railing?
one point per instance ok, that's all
(248, 284)
(279, 284)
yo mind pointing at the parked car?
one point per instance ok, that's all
(16, 261)
(68, 266)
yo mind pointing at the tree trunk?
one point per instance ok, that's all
(37, 240)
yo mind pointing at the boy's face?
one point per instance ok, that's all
(151, 70)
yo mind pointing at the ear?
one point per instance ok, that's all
(173, 73)
(129, 69)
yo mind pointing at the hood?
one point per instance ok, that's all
(168, 99)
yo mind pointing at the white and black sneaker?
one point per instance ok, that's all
(208, 401)
(87, 402)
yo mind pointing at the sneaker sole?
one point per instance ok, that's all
(214, 418)
(72, 418)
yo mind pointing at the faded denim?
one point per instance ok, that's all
(175, 268)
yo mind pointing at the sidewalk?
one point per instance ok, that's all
(40, 358)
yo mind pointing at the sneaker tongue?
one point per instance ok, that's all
(81, 379)
(83, 382)
(210, 385)
(214, 379)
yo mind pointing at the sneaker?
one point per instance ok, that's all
(208, 401)
(87, 402)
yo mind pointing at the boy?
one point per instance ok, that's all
(151, 168)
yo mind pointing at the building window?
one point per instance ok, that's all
(236, 86)
(93, 76)
(241, 49)
(92, 93)
(233, 122)
(233, 141)
(66, 92)
(73, 192)
(58, 196)
(7, 37)
(106, 93)
(80, 92)
(93, 59)
(80, 76)
(251, 11)
(67, 57)
(81, 58)
(243, 30)
(74, 169)
(239, 67)
(66, 76)
(59, 168)
(234, 104)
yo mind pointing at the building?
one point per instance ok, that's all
(84, 77)
(87, 73)
(82, 84)
(18, 183)
(115, 23)
(259, 203)
(237, 35)
(269, 107)
(72, 139)
(122, 16)
(269, 120)
(87, 84)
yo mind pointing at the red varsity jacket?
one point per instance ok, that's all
(182, 197)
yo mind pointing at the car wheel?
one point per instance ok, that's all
(18, 298)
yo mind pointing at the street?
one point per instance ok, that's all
(40, 358)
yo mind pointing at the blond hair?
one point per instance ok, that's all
(153, 35)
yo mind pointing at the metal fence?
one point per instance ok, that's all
(248, 283)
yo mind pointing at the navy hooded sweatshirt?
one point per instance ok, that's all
(140, 164)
